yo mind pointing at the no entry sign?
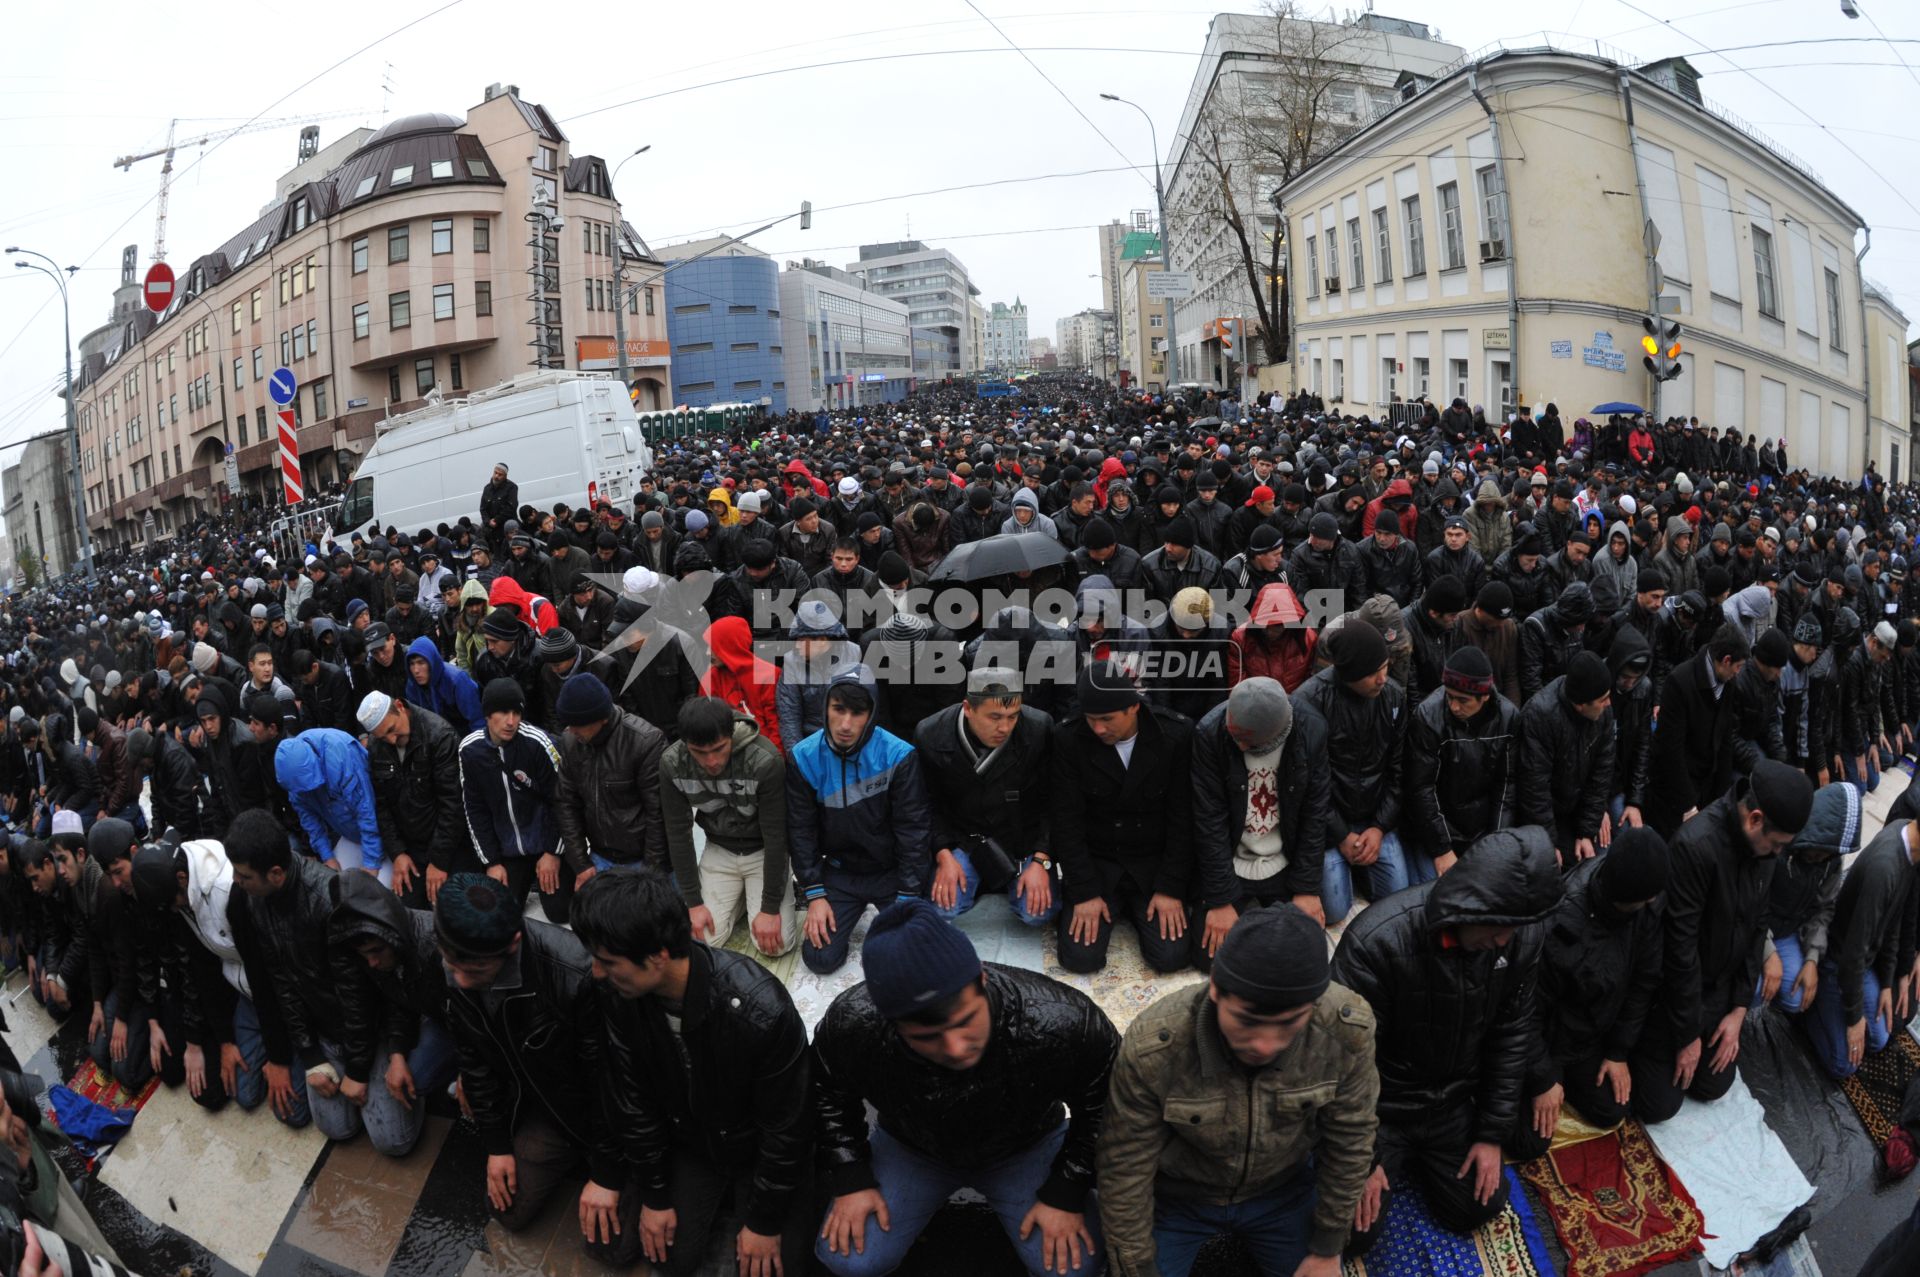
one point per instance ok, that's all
(157, 288)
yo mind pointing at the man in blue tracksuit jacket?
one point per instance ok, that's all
(324, 772)
(859, 826)
(509, 777)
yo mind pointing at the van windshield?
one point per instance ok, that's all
(357, 507)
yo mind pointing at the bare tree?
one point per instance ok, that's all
(1256, 136)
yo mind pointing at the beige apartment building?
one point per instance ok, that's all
(433, 255)
(1500, 235)
(1142, 321)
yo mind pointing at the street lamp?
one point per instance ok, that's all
(620, 275)
(1166, 233)
(59, 274)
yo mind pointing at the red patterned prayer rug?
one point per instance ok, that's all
(1617, 1207)
(89, 1082)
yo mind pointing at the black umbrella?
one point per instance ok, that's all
(1206, 421)
(999, 556)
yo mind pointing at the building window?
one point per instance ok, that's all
(649, 293)
(482, 235)
(1836, 327)
(260, 422)
(240, 429)
(443, 301)
(319, 401)
(588, 240)
(741, 310)
(1356, 249)
(237, 308)
(744, 345)
(256, 305)
(299, 343)
(1382, 246)
(633, 302)
(441, 168)
(396, 243)
(286, 286)
(259, 363)
(589, 285)
(477, 168)
(1453, 244)
(401, 175)
(399, 310)
(453, 373)
(362, 321)
(423, 375)
(442, 235)
(483, 298)
(1333, 260)
(1457, 375)
(1763, 273)
(695, 387)
(695, 348)
(545, 160)
(1313, 265)
(1492, 204)
(239, 371)
(393, 384)
(286, 349)
(313, 337)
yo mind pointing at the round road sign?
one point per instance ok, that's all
(157, 288)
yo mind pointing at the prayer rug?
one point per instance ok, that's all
(1879, 1088)
(1735, 1168)
(1410, 1244)
(1618, 1209)
(90, 1083)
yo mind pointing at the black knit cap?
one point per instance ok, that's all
(1635, 867)
(1274, 958)
(474, 917)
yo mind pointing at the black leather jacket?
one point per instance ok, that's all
(1366, 743)
(538, 1028)
(1007, 801)
(1599, 974)
(1454, 1026)
(1050, 1046)
(1460, 776)
(417, 798)
(1566, 766)
(290, 930)
(380, 1010)
(738, 1096)
(609, 797)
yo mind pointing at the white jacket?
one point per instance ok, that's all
(209, 884)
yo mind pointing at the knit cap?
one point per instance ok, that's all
(916, 959)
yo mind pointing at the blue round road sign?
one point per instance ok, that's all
(282, 386)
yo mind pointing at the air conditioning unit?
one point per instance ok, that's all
(1493, 250)
(1333, 283)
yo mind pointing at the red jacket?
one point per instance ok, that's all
(1273, 644)
(740, 678)
(1399, 489)
(1640, 445)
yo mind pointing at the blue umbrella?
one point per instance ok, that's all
(1618, 407)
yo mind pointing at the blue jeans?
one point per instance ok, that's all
(1791, 960)
(969, 893)
(250, 1087)
(137, 1067)
(1826, 1023)
(1275, 1228)
(392, 1127)
(1390, 873)
(916, 1187)
(132, 814)
(1878, 760)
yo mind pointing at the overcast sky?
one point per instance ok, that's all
(753, 106)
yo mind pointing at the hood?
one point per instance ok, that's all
(1511, 879)
(1113, 468)
(1398, 490)
(863, 676)
(1629, 644)
(1619, 528)
(534, 609)
(1446, 489)
(1097, 599)
(69, 672)
(472, 590)
(1833, 825)
(367, 911)
(429, 651)
(1751, 604)
(208, 869)
(1276, 606)
(731, 640)
(1489, 491)
(297, 764)
(1678, 526)
(1025, 497)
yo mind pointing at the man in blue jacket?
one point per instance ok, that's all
(858, 821)
(324, 772)
(509, 778)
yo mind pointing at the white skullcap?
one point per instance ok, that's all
(374, 710)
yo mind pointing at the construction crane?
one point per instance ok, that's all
(166, 167)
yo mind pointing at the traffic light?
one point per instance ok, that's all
(1662, 344)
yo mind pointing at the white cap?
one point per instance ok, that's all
(849, 486)
(1887, 635)
(750, 501)
(68, 822)
(259, 611)
(1629, 506)
(639, 579)
(374, 710)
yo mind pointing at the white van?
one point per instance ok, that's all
(564, 436)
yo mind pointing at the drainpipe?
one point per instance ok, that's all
(1506, 199)
(1646, 219)
(1866, 347)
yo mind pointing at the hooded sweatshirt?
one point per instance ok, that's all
(1487, 523)
(209, 884)
(741, 678)
(1273, 643)
(1039, 524)
(1750, 610)
(468, 641)
(324, 772)
(742, 810)
(450, 692)
(1625, 572)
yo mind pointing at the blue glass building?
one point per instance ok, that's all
(723, 324)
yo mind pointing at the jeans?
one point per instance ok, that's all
(132, 814)
(700, 1189)
(392, 1127)
(916, 1186)
(133, 1071)
(1275, 1227)
(1826, 1023)
(250, 1087)
(544, 1157)
(1791, 960)
(969, 893)
(848, 895)
(1878, 760)
(1392, 872)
